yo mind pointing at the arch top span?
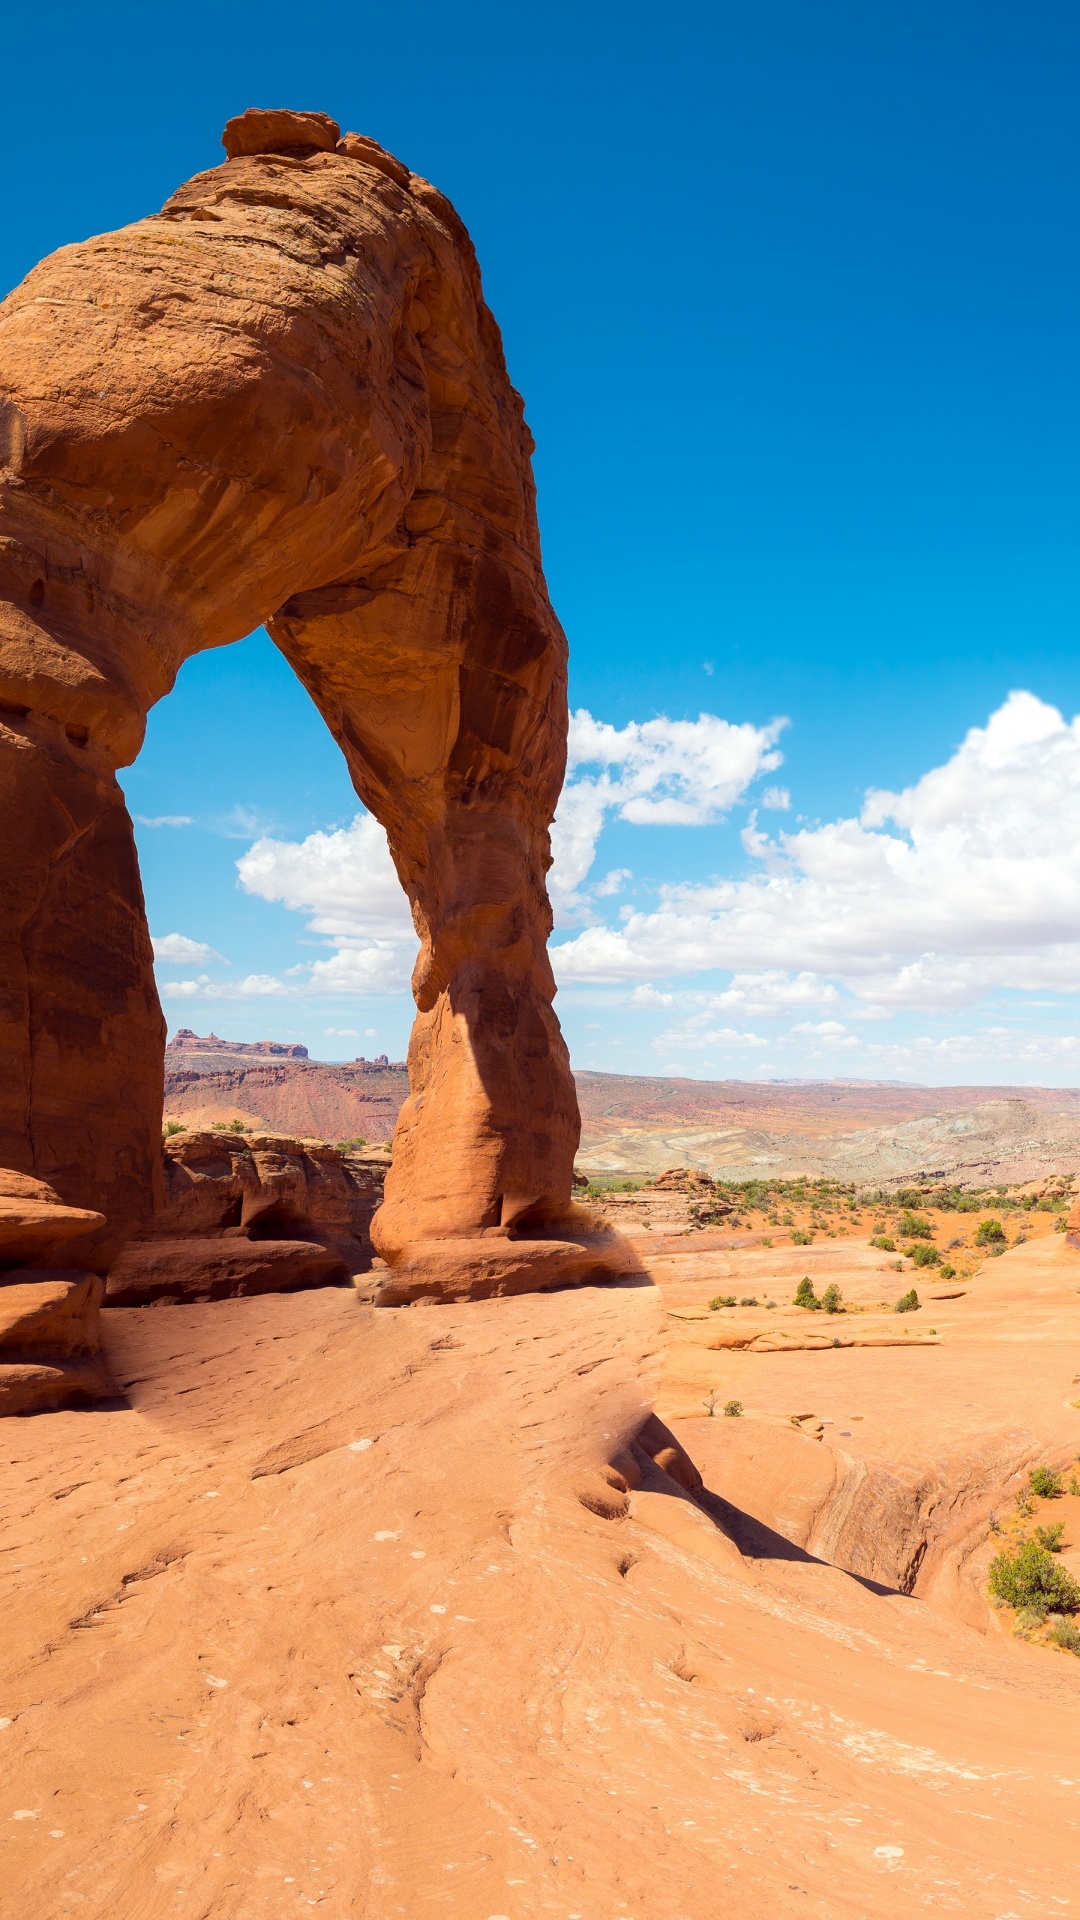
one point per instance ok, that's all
(282, 400)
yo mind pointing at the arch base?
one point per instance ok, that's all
(489, 1267)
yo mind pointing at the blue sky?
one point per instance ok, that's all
(791, 294)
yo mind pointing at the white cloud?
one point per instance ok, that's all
(965, 881)
(778, 799)
(165, 820)
(348, 884)
(177, 946)
(648, 996)
(253, 986)
(653, 773)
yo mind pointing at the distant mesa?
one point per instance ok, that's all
(185, 1040)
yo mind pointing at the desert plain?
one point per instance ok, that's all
(400, 1611)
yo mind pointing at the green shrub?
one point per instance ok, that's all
(722, 1300)
(733, 1409)
(1074, 1485)
(766, 1240)
(174, 1126)
(354, 1146)
(1050, 1537)
(883, 1241)
(801, 1238)
(1044, 1482)
(948, 1272)
(1031, 1577)
(989, 1233)
(1063, 1634)
(908, 1303)
(832, 1300)
(923, 1256)
(914, 1226)
(805, 1295)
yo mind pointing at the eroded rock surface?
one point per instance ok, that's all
(425, 1612)
(282, 400)
(258, 1214)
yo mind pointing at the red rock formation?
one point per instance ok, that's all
(245, 1215)
(283, 400)
(185, 1041)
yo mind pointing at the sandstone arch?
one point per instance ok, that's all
(282, 400)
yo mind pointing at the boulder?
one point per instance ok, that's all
(218, 1267)
(49, 1340)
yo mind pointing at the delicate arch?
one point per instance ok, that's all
(283, 400)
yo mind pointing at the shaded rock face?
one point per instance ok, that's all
(281, 400)
(252, 1215)
(49, 1327)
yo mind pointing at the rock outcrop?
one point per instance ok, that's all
(282, 400)
(245, 1215)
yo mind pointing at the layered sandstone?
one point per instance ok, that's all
(245, 1215)
(283, 401)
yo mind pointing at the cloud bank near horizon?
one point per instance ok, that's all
(963, 885)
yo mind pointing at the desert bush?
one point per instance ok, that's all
(733, 1409)
(908, 1302)
(722, 1300)
(354, 1146)
(947, 1272)
(1044, 1482)
(1063, 1634)
(1031, 1577)
(766, 1240)
(1074, 1485)
(748, 1300)
(788, 1220)
(174, 1126)
(805, 1295)
(1050, 1537)
(914, 1226)
(989, 1233)
(801, 1238)
(832, 1300)
(883, 1241)
(921, 1255)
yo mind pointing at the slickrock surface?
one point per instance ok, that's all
(282, 400)
(347, 1611)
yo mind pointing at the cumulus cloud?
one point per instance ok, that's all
(253, 986)
(346, 881)
(177, 946)
(659, 772)
(965, 881)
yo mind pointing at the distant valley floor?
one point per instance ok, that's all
(861, 1131)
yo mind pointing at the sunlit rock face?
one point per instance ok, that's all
(282, 399)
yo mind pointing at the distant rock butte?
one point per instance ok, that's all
(185, 1041)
